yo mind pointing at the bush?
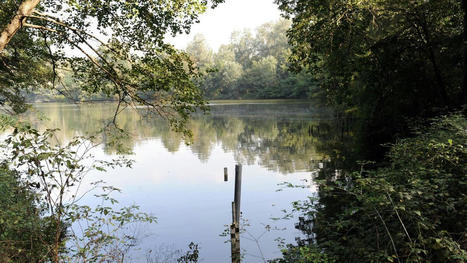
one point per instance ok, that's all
(412, 210)
(25, 236)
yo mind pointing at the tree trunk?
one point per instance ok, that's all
(25, 9)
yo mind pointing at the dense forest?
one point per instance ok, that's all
(254, 65)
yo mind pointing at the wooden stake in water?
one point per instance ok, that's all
(238, 191)
(235, 227)
(226, 175)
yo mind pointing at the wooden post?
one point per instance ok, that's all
(238, 191)
(235, 227)
(235, 243)
(226, 175)
(234, 237)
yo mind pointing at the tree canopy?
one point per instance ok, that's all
(382, 59)
(114, 47)
(252, 66)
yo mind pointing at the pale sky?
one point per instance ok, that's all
(217, 24)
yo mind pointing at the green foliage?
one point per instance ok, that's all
(103, 233)
(122, 57)
(338, 40)
(45, 202)
(412, 210)
(251, 66)
(26, 235)
(386, 60)
(305, 254)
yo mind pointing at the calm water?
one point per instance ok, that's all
(183, 184)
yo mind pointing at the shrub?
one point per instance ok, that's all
(412, 210)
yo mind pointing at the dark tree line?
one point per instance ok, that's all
(383, 60)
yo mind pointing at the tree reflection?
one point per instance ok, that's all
(280, 137)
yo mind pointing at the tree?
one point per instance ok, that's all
(272, 40)
(121, 46)
(381, 59)
(201, 52)
(260, 80)
(251, 66)
(244, 46)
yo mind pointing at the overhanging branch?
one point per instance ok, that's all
(39, 27)
(53, 20)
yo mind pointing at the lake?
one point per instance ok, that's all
(183, 184)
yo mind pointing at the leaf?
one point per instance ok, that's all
(99, 168)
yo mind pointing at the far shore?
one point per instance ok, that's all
(210, 102)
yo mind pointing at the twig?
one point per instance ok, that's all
(400, 220)
(389, 234)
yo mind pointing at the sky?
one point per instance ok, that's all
(218, 24)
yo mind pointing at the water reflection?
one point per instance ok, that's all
(278, 136)
(183, 184)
